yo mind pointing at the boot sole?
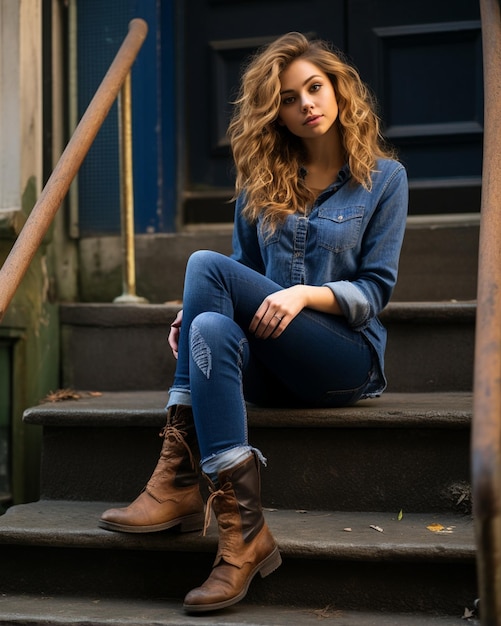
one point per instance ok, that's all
(187, 524)
(265, 568)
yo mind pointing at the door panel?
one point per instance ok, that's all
(424, 62)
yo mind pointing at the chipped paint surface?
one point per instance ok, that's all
(31, 328)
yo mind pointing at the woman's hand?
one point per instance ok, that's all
(277, 311)
(174, 333)
(279, 308)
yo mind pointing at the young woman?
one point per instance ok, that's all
(291, 317)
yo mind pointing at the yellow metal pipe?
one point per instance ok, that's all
(127, 196)
(57, 186)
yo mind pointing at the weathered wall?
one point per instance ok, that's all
(30, 327)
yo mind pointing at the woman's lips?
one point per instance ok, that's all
(310, 121)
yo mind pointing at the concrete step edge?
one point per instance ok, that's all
(437, 311)
(360, 536)
(126, 315)
(103, 611)
(147, 408)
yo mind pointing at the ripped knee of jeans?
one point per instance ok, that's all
(201, 352)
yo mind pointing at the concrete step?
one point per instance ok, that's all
(430, 346)
(400, 451)
(438, 260)
(118, 347)
(55, 548)
(38, 610)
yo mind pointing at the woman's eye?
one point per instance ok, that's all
(288, 100)
(315, 87)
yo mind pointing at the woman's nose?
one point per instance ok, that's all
(306, 105)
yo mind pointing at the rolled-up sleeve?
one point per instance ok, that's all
(353, 303)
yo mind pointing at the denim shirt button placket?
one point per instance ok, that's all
(298, 269)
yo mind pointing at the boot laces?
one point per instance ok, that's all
(208, 508)
(179, 436)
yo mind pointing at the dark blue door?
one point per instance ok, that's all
(424, 62)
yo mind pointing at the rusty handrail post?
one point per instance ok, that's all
(57, 186)
(127, 197)
(486, 430)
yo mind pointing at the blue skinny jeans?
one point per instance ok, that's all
(317, 361)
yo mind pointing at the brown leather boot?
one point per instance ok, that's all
(172, 496)
(246, 545)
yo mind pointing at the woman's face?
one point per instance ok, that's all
(308, 106)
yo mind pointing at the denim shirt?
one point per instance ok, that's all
(349, 241)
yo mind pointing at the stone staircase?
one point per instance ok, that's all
(370, 505)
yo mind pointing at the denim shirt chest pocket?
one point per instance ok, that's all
(339, 227)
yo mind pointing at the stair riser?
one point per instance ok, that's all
(117, 359)
(438, 264)
(420, 357)
(427, 356)
(438, 261)
(343, 469)
(376, 585)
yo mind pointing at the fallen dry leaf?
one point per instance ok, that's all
(61, 394)
(435, 528)
(69, 394)
(438, 528)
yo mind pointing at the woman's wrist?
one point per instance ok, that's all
(320, 299)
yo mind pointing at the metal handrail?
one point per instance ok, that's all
(486, 430)
(69, 163)
(129, 295)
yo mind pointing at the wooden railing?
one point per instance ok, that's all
(57, 186)
(486, 432)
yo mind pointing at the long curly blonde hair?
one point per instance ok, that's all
(268, 157)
